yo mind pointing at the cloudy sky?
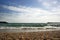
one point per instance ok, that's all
(30, 11)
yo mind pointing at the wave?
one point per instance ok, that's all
(46, 27)
(28, 29)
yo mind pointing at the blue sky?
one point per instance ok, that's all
(30, 11)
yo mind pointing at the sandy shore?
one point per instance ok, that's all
(41, 35)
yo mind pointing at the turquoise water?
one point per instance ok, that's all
(23, 24)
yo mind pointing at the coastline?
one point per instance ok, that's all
(28, 29)
(29, 33)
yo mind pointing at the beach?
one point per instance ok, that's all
(24, 34)
(45, 35)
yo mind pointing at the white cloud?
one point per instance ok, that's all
(51, 5)
(54, 2)
(46, 4)
(28, 14)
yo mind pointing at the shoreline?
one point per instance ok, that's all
(28, 29)
(30, 33)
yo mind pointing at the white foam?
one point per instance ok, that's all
(32, 28)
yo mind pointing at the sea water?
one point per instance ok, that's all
(26, 27)
(23, 24)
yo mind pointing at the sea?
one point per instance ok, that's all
(23, 24)
(26, 27)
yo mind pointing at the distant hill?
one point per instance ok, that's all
(3, 22)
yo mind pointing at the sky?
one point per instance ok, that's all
(30, 11)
